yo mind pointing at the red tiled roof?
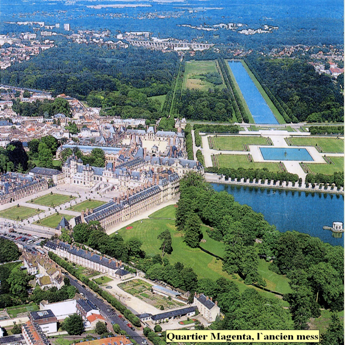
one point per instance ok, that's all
(115, 340)
(95, 317)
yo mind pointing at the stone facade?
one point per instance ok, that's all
(205, 305)
(15, 186)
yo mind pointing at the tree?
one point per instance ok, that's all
(117, 328)
(73, 325)
(17, 155)
(193, 233)
(16, 329)
(166, 245)
(335, 332)
(8, 251)
(157, 328)
(134, 247)
(18, 281)
(100, 328)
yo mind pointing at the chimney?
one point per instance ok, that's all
(110, 261)
(91, 211)
(211, 298)
(120, 263)
(114, 199)
(216, 302)
(207, 298)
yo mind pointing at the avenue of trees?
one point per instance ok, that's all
(254, 174)
(315, 268)
(326, 130)
(298, 92)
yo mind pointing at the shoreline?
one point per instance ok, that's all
(270, 187)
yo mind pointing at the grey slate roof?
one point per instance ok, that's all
(174, 313)
(45, 171)
(63, 223)
(206, 302)
(41, 315)
(109, 263)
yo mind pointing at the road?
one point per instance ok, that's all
(106, 310)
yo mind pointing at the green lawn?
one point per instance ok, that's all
(215, 247)
(160, 98)
(18, 213)
(15, 310)
(328, 145)
(274, 281)
(204, 265)
(193, 78)
(237, 161)
(326, 168)
(52, 200)
(164, 213)
(102, 280)
(57, 163)
(53, 220)
(86, 205)
(323, 321)
(236, 142)
(271, 105)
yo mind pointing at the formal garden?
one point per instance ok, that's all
(91, 204)
(52, 221)
(18, 213)
(142, 290)
(238, 143)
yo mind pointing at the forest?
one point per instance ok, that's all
(77, 70)
(299, 93)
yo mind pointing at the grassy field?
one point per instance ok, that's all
(18, 213)
(160, 98)
(102, 280)
(193, 78)
(237, 161)
(52, 200)
(164, 213)
(86, 205)
(338, 166)
(204, 265)
(53, 220)
(324, 320)
(16, 310)
(215, 247)
(236, 142)
(328, 145)
(271, 105)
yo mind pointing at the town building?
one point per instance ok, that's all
(114, 340)
(45, 319)
(169, 315)
(33, 334)
(89, 259)
(15, 186)
(86, 308)
(207, 308)
(93, 319)
(49, 174)
(61, 310)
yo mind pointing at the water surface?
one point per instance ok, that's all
(293, 210)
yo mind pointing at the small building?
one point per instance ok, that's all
(169, 315)
(63, 224)
(93, 319)
(205, 305)
(166, 292)
(86, 308)
(61, 310)
(45, 319)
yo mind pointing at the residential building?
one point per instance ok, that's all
(61, 310)
(169, 315)
(33, 334)
(115, 340)
(56, 176)
(93, 319)
(86, 308)
(45, 319)
(206, 307)
(89, 259)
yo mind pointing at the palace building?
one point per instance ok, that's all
(15, 186)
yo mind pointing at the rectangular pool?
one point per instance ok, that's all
(286, 154)
(258, 107)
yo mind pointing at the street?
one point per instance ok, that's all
(106, 309)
